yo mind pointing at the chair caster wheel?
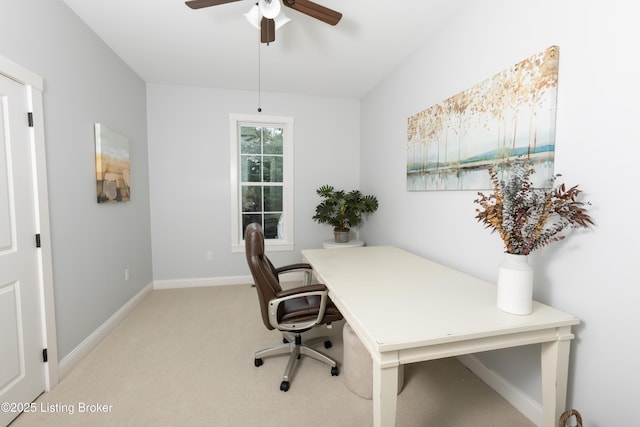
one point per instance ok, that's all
(334, 371)
(327, 344)
(284, 386)
(257, 362)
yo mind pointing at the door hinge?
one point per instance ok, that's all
(45, 356)
(30, 119)
(38, 240)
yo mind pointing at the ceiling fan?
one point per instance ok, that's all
(265, 14)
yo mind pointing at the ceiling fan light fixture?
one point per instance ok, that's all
(280, 20)
(270, 8)
(253, 16)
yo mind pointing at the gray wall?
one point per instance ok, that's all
(85, 83)
(591, 274)
(190, 173)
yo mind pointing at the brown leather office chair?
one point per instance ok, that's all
(291, 311)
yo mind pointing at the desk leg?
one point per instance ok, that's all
(555, 372)
(385, 390)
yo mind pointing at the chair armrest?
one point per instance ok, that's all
(274, 304)
(287, 268)
(305, 268)
(301, 290)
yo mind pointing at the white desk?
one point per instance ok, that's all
(408, 309)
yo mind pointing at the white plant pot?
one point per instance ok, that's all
(515, 284)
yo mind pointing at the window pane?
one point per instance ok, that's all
(250, 168)
(251, 198)
(271, 226)
(249, 219)
(250, 140)
(272, 169)
(272, 138)
(273, 199)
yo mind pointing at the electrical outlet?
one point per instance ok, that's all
(126, 274)
(209, 255)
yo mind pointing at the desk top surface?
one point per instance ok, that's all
(401, 300)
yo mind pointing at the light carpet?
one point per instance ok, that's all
(185, 358)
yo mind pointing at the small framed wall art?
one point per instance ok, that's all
(113, 171)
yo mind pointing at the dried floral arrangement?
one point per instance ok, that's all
(529, 218)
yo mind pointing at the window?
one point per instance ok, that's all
(261, 179)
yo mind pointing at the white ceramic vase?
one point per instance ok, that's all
(515, 284)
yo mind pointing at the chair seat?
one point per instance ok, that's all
(306, 308)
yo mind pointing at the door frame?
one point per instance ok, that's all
(34, 86)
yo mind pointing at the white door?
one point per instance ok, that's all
(22, 373)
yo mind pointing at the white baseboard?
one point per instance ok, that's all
(291, 277)
(202, 282)
(519, 400)
(78, 353)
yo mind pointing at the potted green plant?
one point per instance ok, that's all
(343, 210)
(527, 218)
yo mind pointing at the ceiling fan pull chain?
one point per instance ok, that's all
(259, 80)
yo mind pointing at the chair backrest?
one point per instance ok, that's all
(263, 272)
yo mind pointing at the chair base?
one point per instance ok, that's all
(296, 349)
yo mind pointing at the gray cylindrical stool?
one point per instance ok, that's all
(357, 366)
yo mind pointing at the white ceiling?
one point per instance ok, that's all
(166, 42)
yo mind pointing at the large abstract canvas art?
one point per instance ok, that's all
(451, 145)
(113, 172)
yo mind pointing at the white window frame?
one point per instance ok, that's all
(286, 122)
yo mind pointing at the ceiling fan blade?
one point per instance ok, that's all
(199, 4)
(314, 10)
(267, 30)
